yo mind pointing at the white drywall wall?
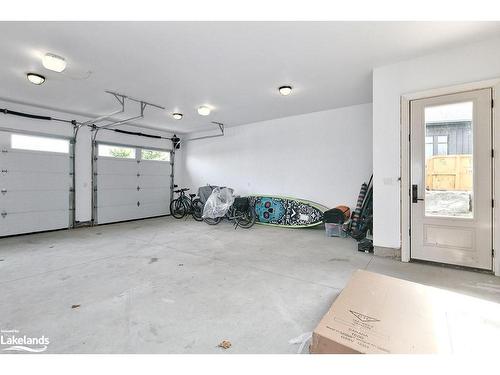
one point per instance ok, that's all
(322, 156)
(83, 189)
(470, 63)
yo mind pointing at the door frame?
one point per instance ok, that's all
(494, 85)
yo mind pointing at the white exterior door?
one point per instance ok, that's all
(451, 179)
(129, 186)
(35, 183)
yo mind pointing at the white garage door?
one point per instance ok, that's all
(35, 183)
(131, 183)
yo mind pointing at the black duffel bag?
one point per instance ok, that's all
(241, 204)
(337, 215)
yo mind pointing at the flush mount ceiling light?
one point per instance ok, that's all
(204, 110)
(36, 79)
(54, 62)
(177, 116)
(285, 90)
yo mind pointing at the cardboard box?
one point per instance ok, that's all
(381, 314)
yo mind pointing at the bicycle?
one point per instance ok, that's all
(182, 205)
(241, 212)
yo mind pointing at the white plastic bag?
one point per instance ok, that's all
(302, 340)
(218, 203)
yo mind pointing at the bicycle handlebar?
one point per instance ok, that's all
(181, 190)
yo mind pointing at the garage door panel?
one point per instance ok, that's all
(4, 140)
(113, 214)
(117, 194)
(154, 195)
(35, 183)
(154, 209)
(155, 168)
(16, 180)
(32, 201)
(28, 161)
(117, 197)
(106, 181)
(155, 182)
(18, 223)
(112, 166)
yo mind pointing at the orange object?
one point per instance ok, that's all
(346, 210)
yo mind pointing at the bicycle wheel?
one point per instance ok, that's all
(187, 204)
(246, 219)
(177, 208)
(211, 221)
(197, 209)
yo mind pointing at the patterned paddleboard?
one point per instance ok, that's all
(287, 212)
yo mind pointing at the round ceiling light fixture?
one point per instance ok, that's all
(177, 116)
(35, 79)
(204, 110)
(285, 90)
(54, 62)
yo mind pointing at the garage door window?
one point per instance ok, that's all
(117, 152)
(155, 155)
(34, 143)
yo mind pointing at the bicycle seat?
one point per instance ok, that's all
(192, 195)
(177, 191)
(185, 189)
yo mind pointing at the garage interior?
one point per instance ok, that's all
(101, 126)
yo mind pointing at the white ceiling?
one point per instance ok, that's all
(235, 67)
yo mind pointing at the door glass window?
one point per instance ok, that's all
(155, 155)
(442, 143)
(116, 151)
(449, 160)
(429, 147)
(35, 143)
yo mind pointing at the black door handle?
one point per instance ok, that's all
(414, 194)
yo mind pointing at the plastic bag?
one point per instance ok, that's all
(218, 203)
(302, 340)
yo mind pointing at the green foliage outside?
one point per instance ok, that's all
(153, 155)
(120, 152)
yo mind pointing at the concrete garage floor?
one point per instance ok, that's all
(168, 286)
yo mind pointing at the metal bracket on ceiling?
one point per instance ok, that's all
(121, 98)
(221, 128)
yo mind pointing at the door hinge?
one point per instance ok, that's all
(492, 203)
(492, 153)
(492, 103)
(409, 137)
(492, 253)
(409, 232)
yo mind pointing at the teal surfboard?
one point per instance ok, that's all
(287, 211)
